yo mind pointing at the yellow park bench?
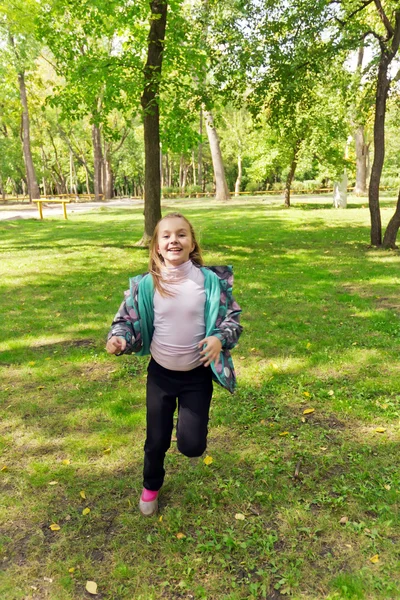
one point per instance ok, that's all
(41, 201)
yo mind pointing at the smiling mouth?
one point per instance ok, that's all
(174, 249)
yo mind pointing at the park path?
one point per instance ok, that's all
(30, 211)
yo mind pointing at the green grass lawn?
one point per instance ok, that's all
(316, 494)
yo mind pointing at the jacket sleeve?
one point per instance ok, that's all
(126, 324)
(227, 326)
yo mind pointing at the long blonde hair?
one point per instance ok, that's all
(156, 261)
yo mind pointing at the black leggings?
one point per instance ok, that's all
(193, 389)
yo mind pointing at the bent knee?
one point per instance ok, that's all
(191, 448)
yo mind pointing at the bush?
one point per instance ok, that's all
(252, 186)
(192, 190)
(170, 192)
(393, 183)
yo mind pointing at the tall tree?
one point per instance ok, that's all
(151, 117)
(18, 31)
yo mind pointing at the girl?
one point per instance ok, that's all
(184, 315)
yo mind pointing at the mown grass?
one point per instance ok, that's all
(322, 331)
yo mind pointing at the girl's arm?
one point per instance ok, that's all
(228, 328)
(126, 325)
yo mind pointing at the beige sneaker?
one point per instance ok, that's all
(149, 506)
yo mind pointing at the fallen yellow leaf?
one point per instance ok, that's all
(5, 468)
(180, 536)
(107, 451)
(284, 433)
(387, 487)
(308, 345)
(31, 363)
(66, 461)
(208, 460)
(53, 482)
(242, 358)
(252, 349)
(331, 393)
(374, 559)
(239, 517)
(160, 519)
(91, 587)
(55, 527)
(82, 494)
(380, 429)
(308, 411)
(71, 570)
(86, 511)
(40, 387)
(344, 520)
(307, 394)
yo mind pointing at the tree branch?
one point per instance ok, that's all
(396, 34)
(384, 19)
(360, 8)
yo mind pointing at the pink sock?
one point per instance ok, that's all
(149, 495)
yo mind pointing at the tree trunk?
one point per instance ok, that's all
(291, 173)
(33, 188)
(340, 192)
(382, 90)
(170, 172)
(181, 170)
(361, 161)
(389, 239)
(194, 169)
(221, 191)
(200, 152)
(151, 117)
(239, 177)
(87, 178)
(108, 186)
(161, 167)
(97, 162)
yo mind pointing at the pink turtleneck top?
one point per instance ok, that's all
(179, 319)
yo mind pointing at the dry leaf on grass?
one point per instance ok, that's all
(66, 461)
(53, 482)
(91, 587)
(180, 536)
(284, 433)
(374, 559)
(55, 527)
(5, 468)
(308, 411)
(344, 520)
(208, 460)
(380, 429)
(239, 517)
(86, 511)
(107, 451)
(82, 494)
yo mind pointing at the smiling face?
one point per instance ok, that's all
(175, 241)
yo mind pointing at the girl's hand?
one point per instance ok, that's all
(115, 345)
(210, 353)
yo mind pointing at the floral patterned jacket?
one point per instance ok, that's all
(134, 320)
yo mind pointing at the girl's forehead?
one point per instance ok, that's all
(174, 224)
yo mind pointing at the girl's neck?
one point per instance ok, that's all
(178, 272)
